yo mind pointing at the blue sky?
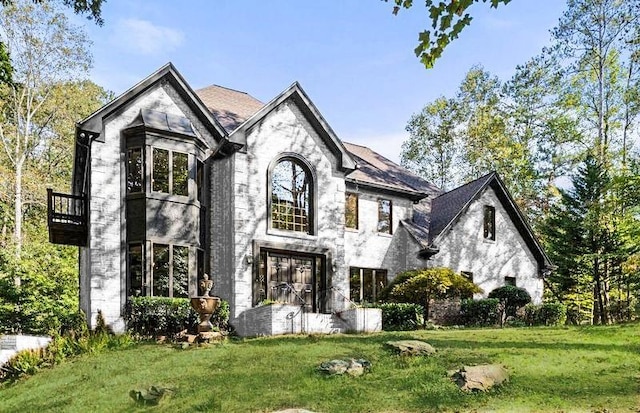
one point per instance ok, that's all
(353, 57)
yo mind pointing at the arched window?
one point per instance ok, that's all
(291, 196)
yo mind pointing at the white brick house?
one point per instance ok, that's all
(171, 183)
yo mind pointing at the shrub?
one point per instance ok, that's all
(512, 298)
(401, 316)
(423, 285)
(29, 362)
(23, 363)
(150, 317)
(483, 312)
(547, 314)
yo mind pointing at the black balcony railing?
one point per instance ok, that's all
(67, 218)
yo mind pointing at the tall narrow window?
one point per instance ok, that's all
(384, 216)
(291, 201)
(160, 170)
(489, 222)
(180, 273)
(180, 173)
(351, 211)
(160, 270)
(136, 270)
(135, 170)
(200, 180)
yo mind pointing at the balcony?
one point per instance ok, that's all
(67, 218)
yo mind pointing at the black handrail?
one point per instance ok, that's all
(66, 208)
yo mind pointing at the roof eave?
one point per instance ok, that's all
(414, 196)
(93, 122)
(295, 91)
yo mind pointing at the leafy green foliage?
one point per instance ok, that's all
(448, 19)
(546, 314)
(482, 313)
(63, 346)
(46, 294)
(421, 286)
(150, 317)
(511, 297)
(401, 316)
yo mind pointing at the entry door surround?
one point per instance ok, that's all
(293, 274)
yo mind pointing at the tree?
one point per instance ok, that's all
(46, 51)
(584, 239)
(432, 149)
(92, 8)
(448, 19)
(596, 40)
(421, 286)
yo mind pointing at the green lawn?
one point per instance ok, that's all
(590, 369)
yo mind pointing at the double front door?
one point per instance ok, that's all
(292, 278)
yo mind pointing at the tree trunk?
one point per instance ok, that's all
(17, 202)
(600, 318)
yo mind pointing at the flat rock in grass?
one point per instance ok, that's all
(480, 378)
(351, 367)
(412, 347)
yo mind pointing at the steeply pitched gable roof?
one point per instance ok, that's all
(378, 172)
(313, 116)
(230, 107)
(448, 207)
(167, 73)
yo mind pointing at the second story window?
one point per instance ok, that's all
(135, 170)
(351, 211)
(291, 196)
(489, 223)
(384, 216)
(170, 172)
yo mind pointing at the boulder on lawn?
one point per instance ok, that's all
(351, 367)
(412, 347)
(480, 378)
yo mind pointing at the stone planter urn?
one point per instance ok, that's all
(205, 305)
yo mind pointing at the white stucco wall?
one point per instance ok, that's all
(365, 247)
(103, 261)
(463, 248)
(285, 130)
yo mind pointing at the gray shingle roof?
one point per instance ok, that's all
(230, 107)
(446, 207)
(376, 170)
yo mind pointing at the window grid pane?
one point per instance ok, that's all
(180, 271)
(351, 211)
(160, 270)
(160, 170)
(136, 270)
(135, 169)
(384, 216)
(286, 216)
(489, 222)
(180, 172)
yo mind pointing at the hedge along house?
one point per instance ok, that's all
(171, 183)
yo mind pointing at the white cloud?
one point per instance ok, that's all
(142, 36)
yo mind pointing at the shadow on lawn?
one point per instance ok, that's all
(477, 343)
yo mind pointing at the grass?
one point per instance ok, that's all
(586, 369)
